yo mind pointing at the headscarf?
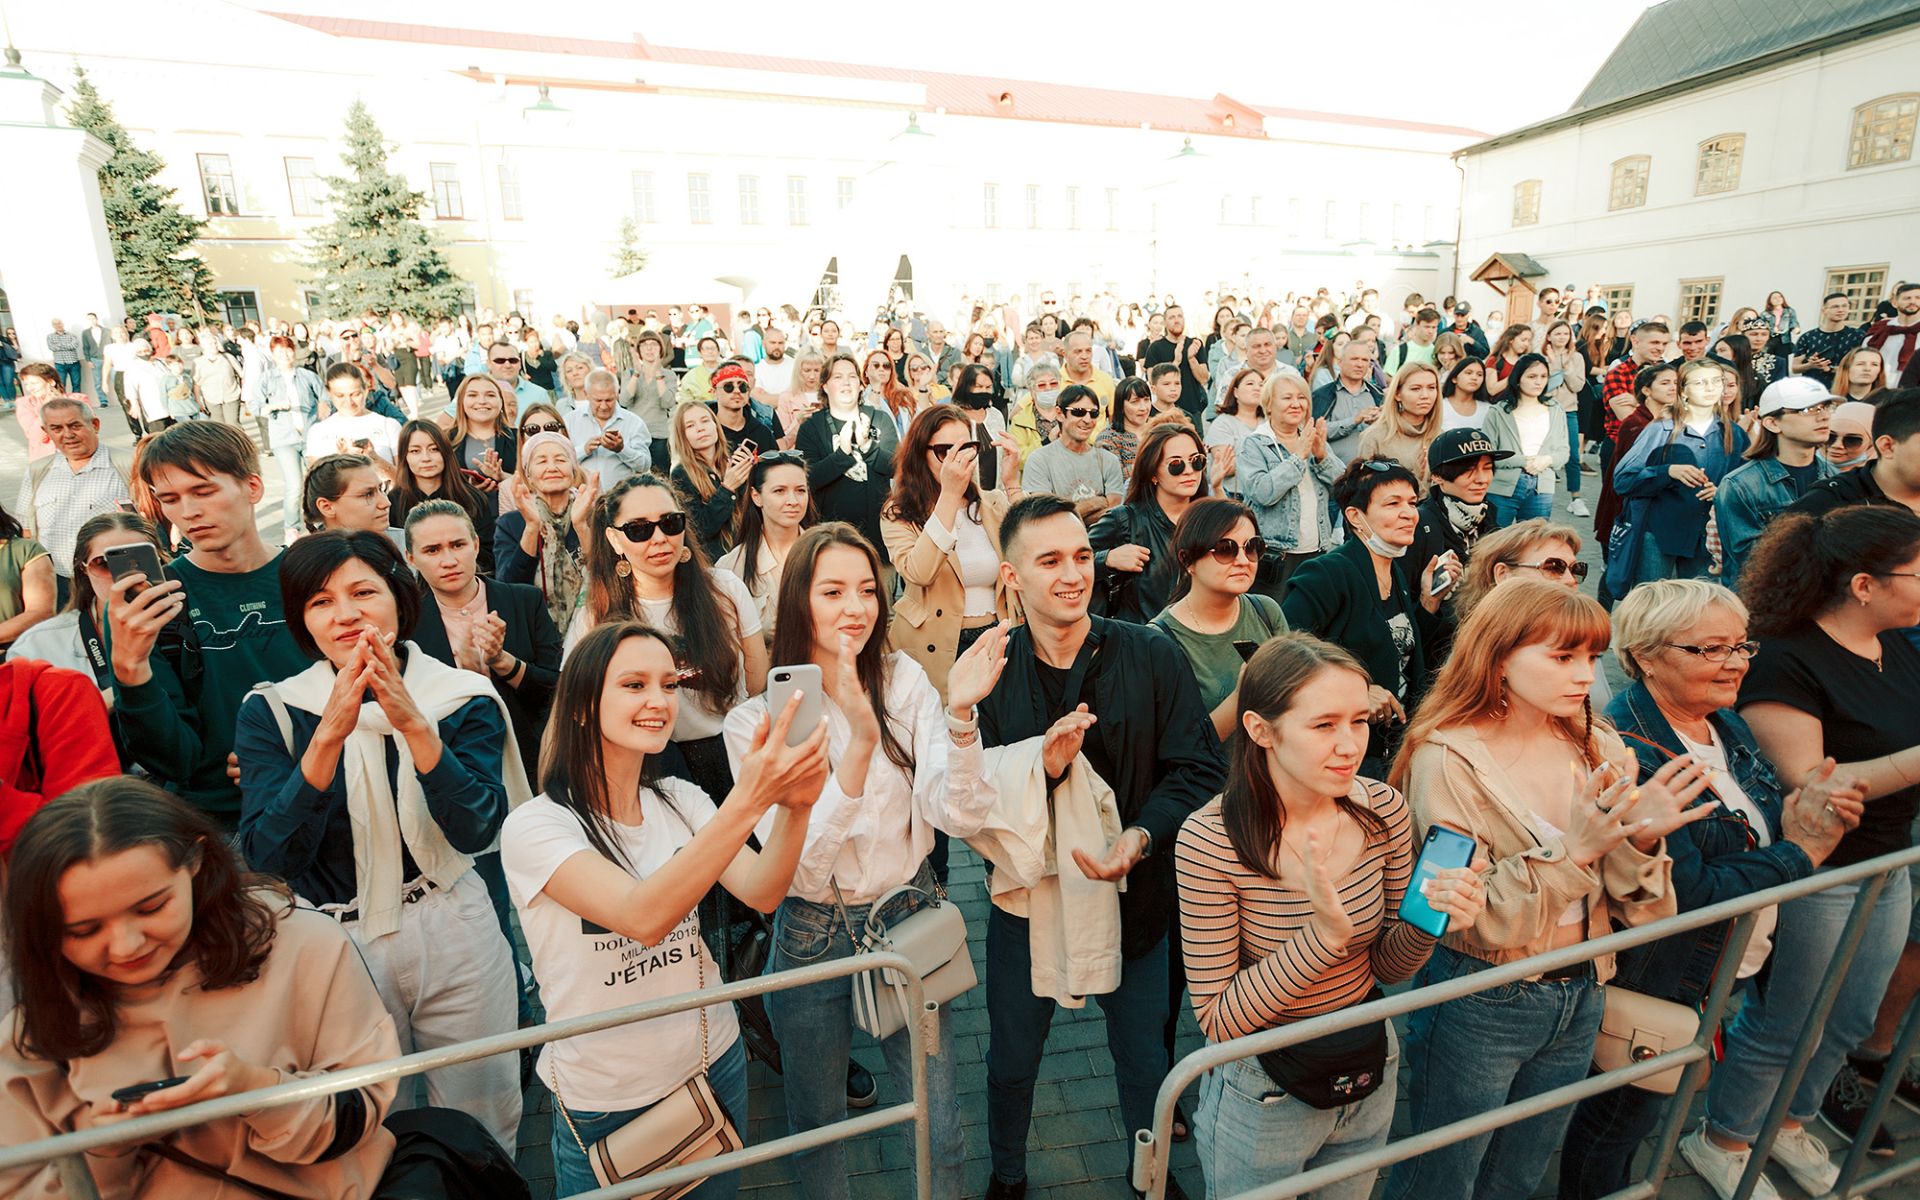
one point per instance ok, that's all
(559, 571)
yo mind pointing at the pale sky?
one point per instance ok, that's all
(1485, 64)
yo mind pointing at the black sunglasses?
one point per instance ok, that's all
(640, 529)
(1555, 567)
(1852, 441)
(1177, 467)
(732, 386)
(530, 430)
(942, 449)
(1226, 551)
(1081, 414)
(504, 361)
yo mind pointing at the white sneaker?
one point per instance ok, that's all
(1721, 1169)
(1578, 507)
(1805, 1159)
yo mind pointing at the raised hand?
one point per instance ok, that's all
(584, 498)
(1063, 739)
(1331, 920)
(956, 470)
(738, 468)
(136, 613)
(350, 683)
(1121, 857)
(862, 723)
(1661, 804)
(975, 672)
(772, 772)
(390, 690)
(1128, 558)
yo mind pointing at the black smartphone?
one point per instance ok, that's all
(135, 558)
(1246, 649)
(127, 1095)
(986, 462)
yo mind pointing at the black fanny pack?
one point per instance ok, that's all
(1331, 1071)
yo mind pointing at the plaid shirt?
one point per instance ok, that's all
(65, 499)
(65, 347)
(1619, 382)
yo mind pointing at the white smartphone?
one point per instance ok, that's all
(782, 683)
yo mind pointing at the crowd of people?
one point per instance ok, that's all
(613, 638)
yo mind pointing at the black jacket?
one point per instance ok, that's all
(1136, 596)
(531, 638)
(1435, 537)
(1166, 761)
(1844, 490)
(712, 517)
(839, 498)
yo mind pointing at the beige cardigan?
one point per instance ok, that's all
(1454, 780)
(313, 1009)
(926, 620)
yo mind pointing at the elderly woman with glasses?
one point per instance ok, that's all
(1684, 644)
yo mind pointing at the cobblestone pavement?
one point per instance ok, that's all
(1078, 1152)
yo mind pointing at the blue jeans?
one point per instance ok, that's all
(1760, 1038)
(1525, 503)
(1655, 565)
(1250, 1133)
(1482, 1051)
(1573, 452)
(815, 1028)
(99, 380)
(1017, 1022)
(69, 374)
(572, 1175)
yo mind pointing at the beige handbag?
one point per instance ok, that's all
(934, 940)
(1635, 1027)
(688, 1125)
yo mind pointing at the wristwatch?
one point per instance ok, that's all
(1141, 830)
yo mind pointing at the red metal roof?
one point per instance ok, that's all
(968, 95)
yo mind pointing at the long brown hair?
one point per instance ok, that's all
(898, 398)
(793, 633)
(1153, 449)
(1250, 808)
(453, 484)
(708, 627)
(699, 471)
(500, 422)
(65, 1013)
(1596, 338)
(916, 489)
(1472, 684)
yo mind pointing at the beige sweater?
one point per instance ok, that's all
(313, 1009)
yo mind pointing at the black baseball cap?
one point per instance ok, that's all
(1459, 445)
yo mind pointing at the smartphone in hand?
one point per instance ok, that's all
(137, 558)
(1443, 847)
(782, 683)
(139, 1091)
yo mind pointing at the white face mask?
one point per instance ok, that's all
(1047, 397)
(1379, 547)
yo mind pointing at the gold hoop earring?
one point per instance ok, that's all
(686, 552)
(623, 568)
(1500, 711)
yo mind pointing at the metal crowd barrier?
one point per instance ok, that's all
(68, 1151)
(1152, 1146)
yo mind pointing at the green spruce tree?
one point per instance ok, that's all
(375, 254)
(153, 237)
(628, 255)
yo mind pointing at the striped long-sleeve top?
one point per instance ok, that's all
(1254, 959)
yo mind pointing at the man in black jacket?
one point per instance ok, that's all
(1124, 696)
(1892, 478)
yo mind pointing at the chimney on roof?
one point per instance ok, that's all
(1005, 101)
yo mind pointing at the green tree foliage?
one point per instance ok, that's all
(153, 237)
(628, 255)
(375, 253)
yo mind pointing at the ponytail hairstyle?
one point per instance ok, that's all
(327, 480)
(1250, 808)
(66, 1013)
(708, 630)
(1804, 565)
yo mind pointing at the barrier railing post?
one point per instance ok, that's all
(1882, 1097)
(1725, 975)
(1815, 1028)
(76, 1177)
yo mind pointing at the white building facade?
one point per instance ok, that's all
(1689, 196)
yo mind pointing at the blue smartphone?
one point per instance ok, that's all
(1443, 848)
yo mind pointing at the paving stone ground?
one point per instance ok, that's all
(1077, 1149)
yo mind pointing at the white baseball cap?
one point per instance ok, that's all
(1795, 393)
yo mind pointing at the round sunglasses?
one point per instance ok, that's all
(1177, 467)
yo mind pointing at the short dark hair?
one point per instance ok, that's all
(1693, 327)
(312, 560)
(1160, 370)
(1906, 285)
(344, 370)
(1365, 476)
(1427, 314)
(200, 448)
(1896, 414)
(1652, 327)
(1035, 506)
(1836, 296)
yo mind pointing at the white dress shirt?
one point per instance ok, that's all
(877, 840)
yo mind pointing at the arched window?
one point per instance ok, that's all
(1628, 186)
(1526, 202)
(1883, 131)
(1719, 167)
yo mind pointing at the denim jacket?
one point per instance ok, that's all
(1661, 504)
(289, 412)
(1270, 476)
(1712, 860)
(1751, 495)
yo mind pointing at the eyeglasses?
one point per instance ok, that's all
(1177, 467)
(940, 450)
(640, 529)
(1226, 551)
(1084, 414)
(1899, 574)
(504, 361)
(1719, 651)
(1556, 567)
(530, 430)
(735, 387)
(1851, 441)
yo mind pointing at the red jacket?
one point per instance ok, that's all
(53, 738)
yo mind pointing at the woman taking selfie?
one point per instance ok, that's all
(1290, 888)
(425, 469)
(904, 765)
(538, 539)
(607, 868)
(642, 565)
(1133, 564)
(1214, 614)
(368, 782)
(777, 508)
(1505, 749)
(141, 950)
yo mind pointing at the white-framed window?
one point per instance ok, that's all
(1718, 169)
(699, 198)
(990, 205)
(1619, 296)
(239, 307)
(1883, 131)
(447, 202)
(843, 192)
(523, 300)
(749, 199)
(509, 192)
(1332, 228)
(796, 199)
(217, 186)
(1033, 206)
(1113, 208)
(1700, 299)
(1526, 202)
(642, 185)
(1073, 207)
(1627, 186)
(306, 191)
(1864, 287)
